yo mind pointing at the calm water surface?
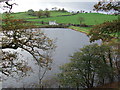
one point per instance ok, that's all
(67, 41)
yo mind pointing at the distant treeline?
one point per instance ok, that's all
(43, 13)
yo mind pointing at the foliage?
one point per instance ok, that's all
(18, 34)
(59, 10)
(88, 67)
(63, 10)
(47, 13)
(31, 12)
(51, 82)
(109, 33)
(39, 14)
(81, 20)
(54, 8)
(107, 6)
(105, 31)
(115, 49)
(12, 65)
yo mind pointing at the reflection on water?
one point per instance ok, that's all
(67, 41)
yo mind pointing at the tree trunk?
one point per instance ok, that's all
(110, 59)
(111, 76)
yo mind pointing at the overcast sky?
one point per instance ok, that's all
(24, 5)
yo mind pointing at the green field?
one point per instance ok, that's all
(56, 13)
(21, 15)
(81, 29)
(24, 15)
(90, 18)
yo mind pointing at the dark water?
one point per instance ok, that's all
(68, 41)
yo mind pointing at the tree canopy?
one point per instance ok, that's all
(88, 67)
(109, 32)
(17, 33)
(106, 31)
(107, 6)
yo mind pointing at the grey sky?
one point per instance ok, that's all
(24, 5)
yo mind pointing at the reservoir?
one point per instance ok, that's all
(67, 41)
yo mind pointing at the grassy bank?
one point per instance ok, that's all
(81, 29)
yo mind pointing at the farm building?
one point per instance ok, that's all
(52, 23)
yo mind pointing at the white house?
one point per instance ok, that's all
(52, 23)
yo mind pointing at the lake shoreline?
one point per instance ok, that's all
(66, 28)
(78, 31)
